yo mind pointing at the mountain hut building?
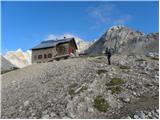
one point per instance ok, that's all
(51, 50)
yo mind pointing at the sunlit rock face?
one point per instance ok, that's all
(125, 40)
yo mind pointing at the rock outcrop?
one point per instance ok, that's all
(125, 40)
(5, 64)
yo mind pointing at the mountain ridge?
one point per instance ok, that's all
(123, 39)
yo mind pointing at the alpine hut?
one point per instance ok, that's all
(50, 50)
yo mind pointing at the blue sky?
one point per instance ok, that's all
(24, 24)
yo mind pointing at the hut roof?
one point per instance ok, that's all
(52, 43)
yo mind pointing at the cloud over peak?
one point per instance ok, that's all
(107, 13)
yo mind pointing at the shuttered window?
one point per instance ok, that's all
(39, 56)
(49, 55)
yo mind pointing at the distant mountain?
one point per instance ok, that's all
(125, 40)
(5, 64)
(82, 45)
(19, 58)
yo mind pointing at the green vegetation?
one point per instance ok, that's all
(101, 71)
(154, 58)
(124, 67)
(92, 56)
(101, 104)
(115, 81)
(116, 89)
(13, 114)
(139, 60)
(5, 71)
(71, 92)
(114, 85)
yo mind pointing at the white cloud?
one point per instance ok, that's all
(122, 20)
(67, 35)
(50, 37)
(81, 44)
(107, 14)
(101, 12)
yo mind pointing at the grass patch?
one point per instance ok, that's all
(116, 89)
(124, 67)
(154, 58)
(115, 81)
(6, 71)
(139, 60)
(101, 104)
(101, 71)
(71, 92)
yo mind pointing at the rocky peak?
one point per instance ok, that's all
(123, 40)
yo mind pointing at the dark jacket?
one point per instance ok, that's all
(108, 52)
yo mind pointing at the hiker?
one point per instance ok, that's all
(108, 53)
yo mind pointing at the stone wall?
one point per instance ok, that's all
(61, 49)
(43, 52)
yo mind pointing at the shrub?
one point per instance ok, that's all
(139, 60)
(12, 69)
(71, 92)
(116, 89)
(154, 58)
(124, 67)
(115, 81)
(101, 71)
(101, 104)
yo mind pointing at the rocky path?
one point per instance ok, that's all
(83, 88)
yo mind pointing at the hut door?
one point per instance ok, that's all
(69, 50)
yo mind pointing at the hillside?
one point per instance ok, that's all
(125, 40)
(84, 88)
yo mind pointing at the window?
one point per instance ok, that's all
(45, 56)
(49, 55)
(35, 57)
(39, 56)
